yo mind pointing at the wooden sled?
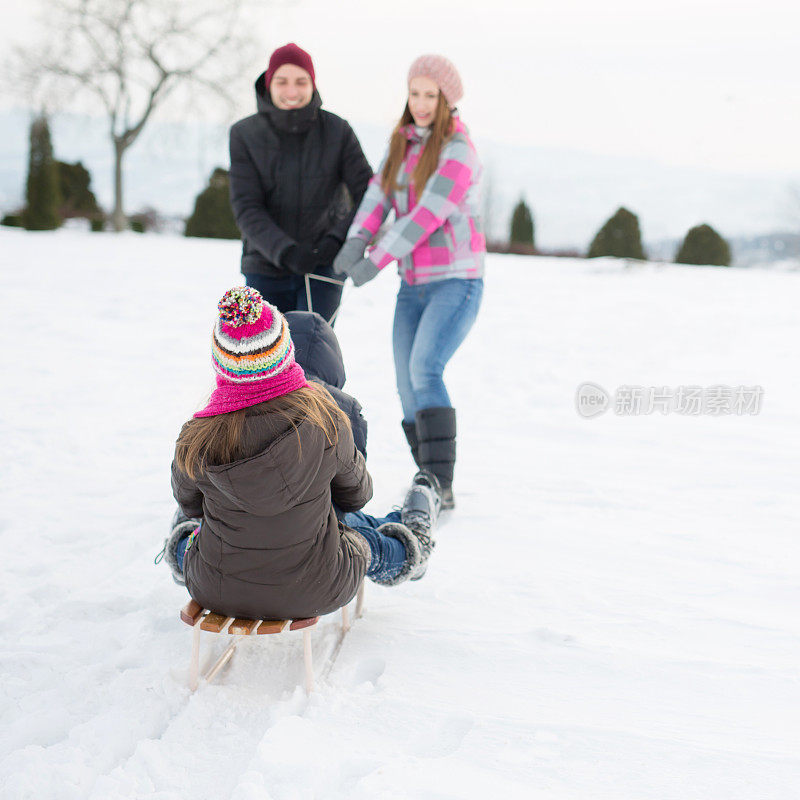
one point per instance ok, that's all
(201, 619)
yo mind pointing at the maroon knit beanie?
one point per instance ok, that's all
(290, 54)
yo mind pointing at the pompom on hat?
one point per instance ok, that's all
(251, 352)
(442, 72)
(290, 54)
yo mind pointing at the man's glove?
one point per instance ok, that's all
(327, 250)
(362, 271)
(299, 259)
(351, 253)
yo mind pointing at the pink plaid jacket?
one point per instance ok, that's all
(437, 236)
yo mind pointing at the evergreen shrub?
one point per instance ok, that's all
(703, 245)
(42, 192)
(522, 229)
(619, 237)
(212, 217)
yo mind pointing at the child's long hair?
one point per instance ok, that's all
(217, 440)
(441, 131)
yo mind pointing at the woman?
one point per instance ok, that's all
(270, 486)
(296, 173)
(430, 178)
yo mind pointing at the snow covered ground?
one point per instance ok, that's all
(611, 611)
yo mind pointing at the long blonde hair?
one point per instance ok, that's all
(217, 440)
(441, 130)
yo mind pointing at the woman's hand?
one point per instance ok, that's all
(362, 271)
(351, 253)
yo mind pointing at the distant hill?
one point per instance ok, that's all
(747, 251)
(571, 193)
(766, 249)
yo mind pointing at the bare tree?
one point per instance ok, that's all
(130, 56)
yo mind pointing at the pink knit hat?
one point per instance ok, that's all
(252, 354)
(442, 72)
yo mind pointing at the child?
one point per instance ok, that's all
(270, 472)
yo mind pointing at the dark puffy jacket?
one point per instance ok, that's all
(289, 173)
(270, 546)
(317, 351)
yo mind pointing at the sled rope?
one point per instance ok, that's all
(326, 280)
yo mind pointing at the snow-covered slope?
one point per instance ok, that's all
(611, 611)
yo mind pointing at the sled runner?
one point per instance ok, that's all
(201, 619)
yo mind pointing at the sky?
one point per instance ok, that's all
(697, 83)
(690, 82)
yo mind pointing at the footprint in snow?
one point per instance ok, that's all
(443, 738)
(368, 671)
(551, 637)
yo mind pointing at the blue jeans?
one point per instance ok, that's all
(180, 551)
(388, 553)
(430, 322)
(289, 293)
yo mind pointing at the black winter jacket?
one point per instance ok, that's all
(317, 351)
(296, 176)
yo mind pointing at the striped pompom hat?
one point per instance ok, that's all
(251, 352)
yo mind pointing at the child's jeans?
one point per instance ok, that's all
(388, 553)
(181, 550)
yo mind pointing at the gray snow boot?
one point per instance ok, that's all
(413, 554)
(182, 527)
(436, 432)
(419, 514)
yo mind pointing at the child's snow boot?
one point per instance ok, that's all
(419, 514)
(413, 553)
